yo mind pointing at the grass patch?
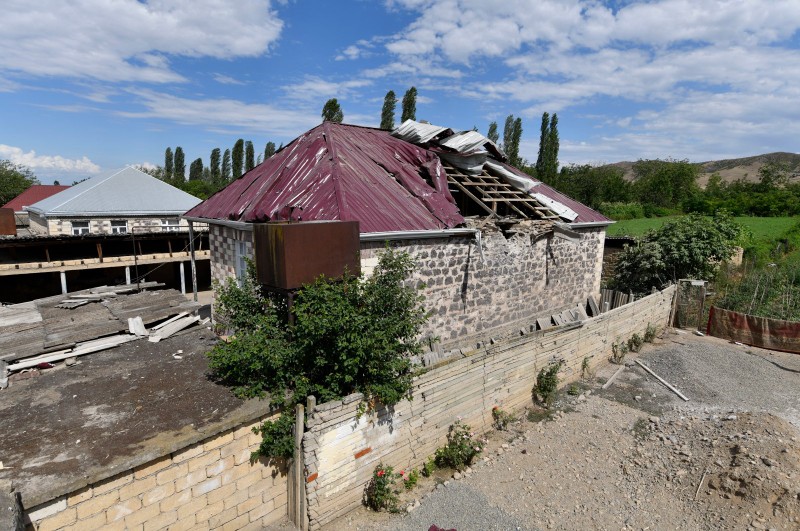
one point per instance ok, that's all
(761, 228)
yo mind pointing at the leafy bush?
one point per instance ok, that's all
(618, 351)
(635, 343)
(547, 382)
(381, 492)
(410, 479)
(429, 467)
(350, 335)
(620, 211)
(461, 448)
(501, 419)
(650, 333)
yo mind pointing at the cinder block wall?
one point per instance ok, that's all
(469, 294)
(208, 485)
(342, 449)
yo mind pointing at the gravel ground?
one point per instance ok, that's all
(635, 456)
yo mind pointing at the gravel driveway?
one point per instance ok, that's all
(632, 456)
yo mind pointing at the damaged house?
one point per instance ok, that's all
(493, 246)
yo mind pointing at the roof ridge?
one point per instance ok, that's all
(336, 172)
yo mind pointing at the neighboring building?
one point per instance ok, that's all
(121, 202)
(29, 197)
(493, 246)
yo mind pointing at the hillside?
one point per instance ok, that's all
(733, 169)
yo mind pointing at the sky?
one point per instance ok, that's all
(89, 86)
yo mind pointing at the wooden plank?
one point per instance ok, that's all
(173, 328)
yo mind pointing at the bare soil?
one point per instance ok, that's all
(635, 456)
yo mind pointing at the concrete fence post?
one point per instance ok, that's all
(297, 487)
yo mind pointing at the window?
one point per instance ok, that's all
(241, 261)
(119, 226)
(80, 227)
(170, 225)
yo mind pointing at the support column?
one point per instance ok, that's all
(191, 254)
(183, 279)
(128, 275)
(64, 282)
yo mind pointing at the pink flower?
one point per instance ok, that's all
(381, 473)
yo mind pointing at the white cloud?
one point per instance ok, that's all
(47, 163)
(130, 40)
(314, 89)
(221, 114)
(227, 80)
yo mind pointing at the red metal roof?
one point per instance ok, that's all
(352, 173)
(341, 172)
(34, 194)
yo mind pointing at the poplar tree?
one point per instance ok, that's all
(269, 150)
(213, 162)
(237, 158)
(226, 166)
(387, 113)
(169, 164)
(493, 135)
(552, 148)
(196, 170)
(516, 137)
(250, 156)
(508, 133)
(179, 175)
(332, 111)
(544, 136)
(409, 105)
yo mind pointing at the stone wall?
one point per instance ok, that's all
(472, 294)
(210, 484)
(342, 448)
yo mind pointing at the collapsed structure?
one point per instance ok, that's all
(492, 245)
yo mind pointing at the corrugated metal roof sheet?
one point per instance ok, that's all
(419, 132)
(33, 195)
(345, 172)
(127, 192)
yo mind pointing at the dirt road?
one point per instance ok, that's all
(636, 456)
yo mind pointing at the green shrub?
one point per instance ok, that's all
(349, 335)
(410, 480)
(635, 343)
(381, 492)
(618, 351)
(429, 467)
(650, 333)
(620, 211)
(461, 448)
(547, 382)
(501, 419)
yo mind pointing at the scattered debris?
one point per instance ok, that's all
(613, 377)
(660, 379)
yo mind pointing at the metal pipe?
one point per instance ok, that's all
(191, 255)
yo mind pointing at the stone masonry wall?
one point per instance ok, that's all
(342, 447)
(516, 279)
(63, 226)
(208, 485)
(471, 295)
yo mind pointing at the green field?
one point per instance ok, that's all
(761, 228)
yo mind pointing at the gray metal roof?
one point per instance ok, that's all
(125, 192)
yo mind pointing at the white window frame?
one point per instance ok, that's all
(121, 226)
(84, 228)
(241, 261)
(170, 224)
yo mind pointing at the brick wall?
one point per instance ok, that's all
(469, 294)
(341, 448)
(210, 484)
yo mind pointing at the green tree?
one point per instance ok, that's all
(237, 158)
(409, 105)
(214, 162)
(351, 335)
(169, 164)
(544, 136)
(226, 166)
(516, 137)
(551, 151)
(179, 171)
(250, 156)
(269, 150)
(14, 179)
(332, 112)
(664, 183)
(493, 135)
(687, 247)
(387, 113)
(512, 134)
(196, 170)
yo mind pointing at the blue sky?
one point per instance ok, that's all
(92, 85)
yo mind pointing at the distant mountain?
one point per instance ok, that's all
(733, 169)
